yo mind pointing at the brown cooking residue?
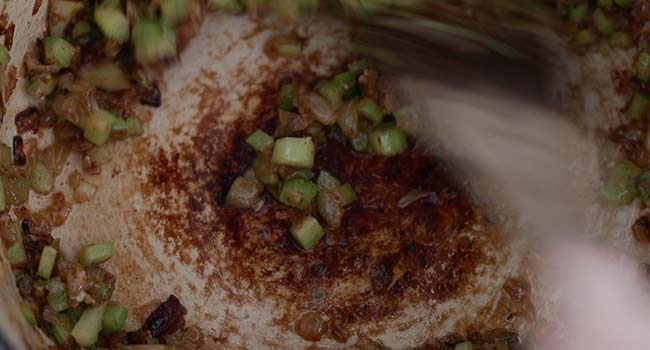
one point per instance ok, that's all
(381, 258)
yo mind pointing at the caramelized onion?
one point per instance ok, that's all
(311, 326)
(412, 197)
(313, 104)
(348, 120)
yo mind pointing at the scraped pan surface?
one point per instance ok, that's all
(402, 276)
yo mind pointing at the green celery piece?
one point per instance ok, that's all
(174, 11)
(58, 51)
(638, 106)
(96, 253)
(585, 37)
(332, 93)
(625, 169)
(74, 314)
(134, 127)
(112, 22)
(46, 262)
(369, 109)
(260, 141)
(602, 22)
(28, 314)
(81, 30)
(578, 13)
(16, 189)
(41, 87)
(642, 66)
(86, 330)
(98, 126)
(16, 254)
(58, 301)
(358, 66)
(618, 191)
(4, 57)
(346, 194)
(61, 330)
(360, 143)
(466, 345)
(345, 80)
(294, 151)
(298, 193)
(388, 141)
(326, 181)
(624, 3)
(153, 40)
(41, 178)
(643, 186)
(307, 232)
(107, 76)
(226, 5)
(305, 174)
(286, 97)
(114, 317)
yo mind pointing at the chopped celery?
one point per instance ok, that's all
(602, 22)
(358, 66)
(46, 262)
(346, 194)
(119, 125)
(609, 151)
(58, 301)
(307, 232)
(28, 314)
(332, 93)
(96, 253)
(642, 66)
(305, 174)
(619, 191)
(288, 49)
(260, 141)
(623, 3)
(625, 169)
(369, 109)
(16, 254)
(388, 141)
(5, 157)
(638, 106)
(153, 40)
(621, 40)
(82, 30)
(58, 51)
(61, 13)
(244, 193)
(98, 125)
(112, 21)
(327, 181)
(286, 97)
(265, 171)
(293, 151)
(114, 317)
(61, 329)
(345, 80)
(55, 285)
(16, 189)
(42, 86)
(3, 197)
(298, 193)
(466, 345)
(74, 314)
(578, 13)
(86, 330)
(4, 57)
(107, 76)
(360, 143)
(227, 5)
(41, 178)
(134, 127)
(174, 11)
(585, 37)
(643, 186)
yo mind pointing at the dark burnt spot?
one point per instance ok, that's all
(416, 253)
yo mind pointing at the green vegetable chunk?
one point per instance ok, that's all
(42, 86)
(112, 21)
(86, 330)
(625, 169)
(643, 186)
(260, 141)
(332, 93)
(578, 13)
(619, 191)
(294, 151)
(286, 97)
(4, 57)
(226, 5)
(298, 193)
(307, 232)
(58, 51)
(28, 314)
(16, 254)
(585, 37)
(346, 194)
(358, 66)
(360, 143)
(41, 178)
(107, 76)
(81, 31)
(134, 127)
(98, 126)
(642, 66)
(388, 141)
(467, 345)
(603, 23)
(153, 40)
(174, 11)
(638, 107)
(371, 110)
(16, 189)
(46, 263)
(624, 3)
(327, 181)
(61, 330)
(114, 317)
(58, 301)
(96, 253)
